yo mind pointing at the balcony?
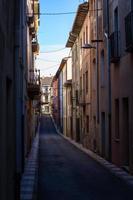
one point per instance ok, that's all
(115, 47)
(129, 31)
(34, 84)
(35, 47)
(30, 20)
(68, 83)
(45, 92)
(45, 102)
(82, 98)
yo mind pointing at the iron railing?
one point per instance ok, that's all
(34, 76)
(34, 83)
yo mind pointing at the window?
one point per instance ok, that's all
(102, 70)
(116, 19)
(94, 8)
(115, 40)
(87, 123)
(46, 108)
(105, 14)
(77, 97)
(86, 81)
(86, 34)
(84, 37)
(46, 88)
(117, 135)
(131, 4)
(70, 97)
(94, 79)
(46, 98)
(81, 44)
(81, 85)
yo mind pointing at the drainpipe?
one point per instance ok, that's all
(97, 61)
(108, 51)
(107, 33)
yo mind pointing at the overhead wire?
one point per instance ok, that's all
(64, 13)
(49, 67)
(45, 60)
(60, 13)
(53, 51)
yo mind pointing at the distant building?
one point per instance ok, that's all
(55, 100)
(62, 97)
(46, 93)
(80, 106)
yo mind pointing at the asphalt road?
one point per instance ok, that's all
(66, 173)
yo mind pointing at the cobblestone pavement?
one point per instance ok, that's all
(67, 173)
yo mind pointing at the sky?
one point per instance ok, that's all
(53, 33)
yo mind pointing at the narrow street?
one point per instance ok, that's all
(66, 173)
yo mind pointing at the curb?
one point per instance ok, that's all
(28, 190)
(121, 174)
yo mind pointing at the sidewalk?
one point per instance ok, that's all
(121, 174)
(28, 189)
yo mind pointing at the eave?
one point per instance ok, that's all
(78, 23)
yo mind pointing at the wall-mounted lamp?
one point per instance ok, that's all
(88, 46)
(73, 34)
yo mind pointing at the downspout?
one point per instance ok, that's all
(97, 61)
(108, 51)
(107, 33)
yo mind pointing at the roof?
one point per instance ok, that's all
(64, 60)
(78, 23)
(46, 80)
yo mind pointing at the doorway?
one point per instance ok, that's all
(103, 133)
(125, 124)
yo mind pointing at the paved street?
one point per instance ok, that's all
(66, 173)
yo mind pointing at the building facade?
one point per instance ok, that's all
(102, 87)
(62, 95)
(74, 42)
(16, 49)
(7, 102)
(46, 91)
(121, 61)
(55, 101)
(32, 73)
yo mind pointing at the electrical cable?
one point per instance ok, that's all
(49, 67)
(53, 51)
(54, 61)
(64, 13)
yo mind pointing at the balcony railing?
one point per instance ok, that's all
(34, 84)
(115, 47)
(129, 31)
(30, 19)
(45, 102)
(35, 47)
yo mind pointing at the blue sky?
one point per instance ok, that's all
(55, 29)
(53, 33)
